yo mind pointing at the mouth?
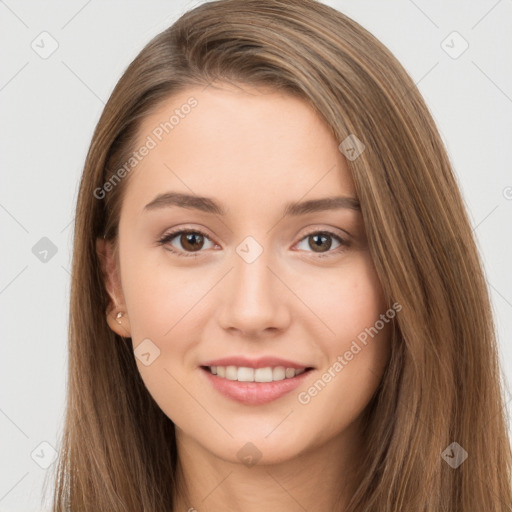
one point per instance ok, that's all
(255, 386)
(246, 374)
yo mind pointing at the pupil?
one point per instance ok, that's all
(319, 244)
(191, 240)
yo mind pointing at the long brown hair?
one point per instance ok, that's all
(442, 385)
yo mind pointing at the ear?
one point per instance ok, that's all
(112, 282)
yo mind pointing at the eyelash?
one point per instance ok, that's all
(169, 236)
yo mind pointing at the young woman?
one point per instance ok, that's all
(276, 303)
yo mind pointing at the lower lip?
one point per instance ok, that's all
(255, 393)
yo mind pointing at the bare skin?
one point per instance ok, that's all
(252, 151)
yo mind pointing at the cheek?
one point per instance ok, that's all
(349, 302)
(159, 298)
(358, 347)
(163, 307)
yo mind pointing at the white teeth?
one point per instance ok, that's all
(289, 373)
(231, 372)
(264, 374)
(279, 373)
(244, 374)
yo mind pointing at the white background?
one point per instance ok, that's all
(49, 108)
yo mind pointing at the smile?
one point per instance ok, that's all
(244, 374)
(254, 386)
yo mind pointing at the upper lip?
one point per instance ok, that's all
(261, 362)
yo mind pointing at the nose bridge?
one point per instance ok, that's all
(252, 276)
(252, 279)
(253, 300)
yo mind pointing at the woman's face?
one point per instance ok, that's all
(260, 280)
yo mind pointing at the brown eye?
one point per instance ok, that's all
(191, 241)
(320, 241)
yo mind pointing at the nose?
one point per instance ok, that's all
(254, 301)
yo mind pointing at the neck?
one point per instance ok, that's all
(321, 478)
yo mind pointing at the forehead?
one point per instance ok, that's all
(241, 145)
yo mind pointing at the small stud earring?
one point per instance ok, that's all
(118, 317)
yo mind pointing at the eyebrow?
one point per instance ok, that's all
(209, 205)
